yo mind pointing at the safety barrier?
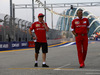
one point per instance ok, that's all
(31, 44)
(98, 39)
(15, 45)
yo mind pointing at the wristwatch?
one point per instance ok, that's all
(32, 36)
(76, 35)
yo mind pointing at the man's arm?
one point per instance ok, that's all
(87, 30)
(46, 28)
(73, 29)
(33, 37)
(87, 25)
(30, 32)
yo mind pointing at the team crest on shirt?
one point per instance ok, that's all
(77, 22)
(84, 22)
(37, 25)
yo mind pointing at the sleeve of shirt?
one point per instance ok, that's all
(32, 26)
(87, 23)
(46, 25)
(73, 26)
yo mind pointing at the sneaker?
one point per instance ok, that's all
(36, 65)
(44, 65)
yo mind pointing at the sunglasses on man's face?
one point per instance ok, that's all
(41, 16)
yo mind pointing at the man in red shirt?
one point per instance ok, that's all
(80, 28)
(40, 28)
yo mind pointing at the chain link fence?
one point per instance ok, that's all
(16, 29)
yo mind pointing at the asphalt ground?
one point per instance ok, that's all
(62, 60)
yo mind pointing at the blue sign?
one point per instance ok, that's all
(97, 39)
(12, 45)
(4, 46)
(24, 44)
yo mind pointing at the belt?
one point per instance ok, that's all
(82, 34)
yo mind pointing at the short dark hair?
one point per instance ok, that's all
(79, 10)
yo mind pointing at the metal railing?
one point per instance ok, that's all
(17, 31)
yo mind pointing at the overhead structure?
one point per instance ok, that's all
(57, 5)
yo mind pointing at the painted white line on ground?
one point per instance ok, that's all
(67, 44)
(62, 67)
(93, 73)
(86, 70)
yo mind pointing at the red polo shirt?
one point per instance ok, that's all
(80, 25)
(40, 31)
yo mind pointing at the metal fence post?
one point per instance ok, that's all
(45, 10)
(26, 30)
(22, 29)
(32, 10)
(18, 28)
(52, 17)
(4, 35)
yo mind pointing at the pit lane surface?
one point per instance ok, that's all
(62, 61)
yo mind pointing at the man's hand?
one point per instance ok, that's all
(43, 22)
(34, 38)
(74, 33)
(87, 30)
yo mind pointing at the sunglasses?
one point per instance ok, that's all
(41, 16)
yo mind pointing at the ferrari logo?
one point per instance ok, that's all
(77, 22)
(37, 25)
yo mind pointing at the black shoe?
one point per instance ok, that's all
(44, 65)
(36, 65)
